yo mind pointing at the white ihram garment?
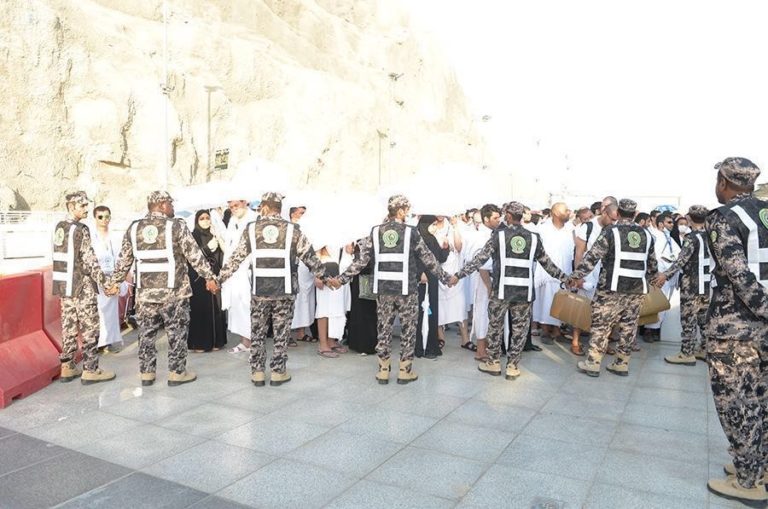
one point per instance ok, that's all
(236, 291)
(334, 304)
(452, 302)
(479, 290)
(559, 245)
(664, 247)
(304, 306)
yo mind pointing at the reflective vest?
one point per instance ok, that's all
(701, 260)
(271, 261)
(152, 243)
(64, 258)
(753, 216)
(513, 264)
(625, 273)
(391, 251)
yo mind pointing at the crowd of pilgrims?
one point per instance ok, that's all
(343, 320)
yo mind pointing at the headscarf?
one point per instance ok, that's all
(203, 237)
(430, 240)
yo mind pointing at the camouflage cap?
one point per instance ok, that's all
(698, 210)
(627, 205)
(398, 201)
(739, 170)
(515, 208)
(272, 197)
(77, 197)
(156, 197)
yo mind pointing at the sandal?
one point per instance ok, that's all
(440, 343)
(308, 339)
(482, 359)
(292, 342)
(577, 350)
(239, 348)
(469, 346)
(328, 354)
(339, 349)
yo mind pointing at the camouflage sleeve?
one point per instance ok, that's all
(428, 259)
(124, 261)
(306, 253)
(548, 265)
(685, 255)
(366, 246)
(192, 251)
(726, 245)
(241, 252)
(90, 261)
(594, 255)
(652, 264)
(480, 257)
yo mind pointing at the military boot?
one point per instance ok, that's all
(69, 371)
(276, 378)
(730, 488)
(730, 469)
(490, 367)
(382, 376)
(406, 374)
(94, 377)
(258, 378)
(589, 367)
(687, 360)
(147, 379)
(620, 366)
(700, 354)
(186, 377)
(512, 371)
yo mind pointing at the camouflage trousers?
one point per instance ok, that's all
(80, 314)
(693, 312)
(151, 317)
(280, 310)
(407, 308)
(520, 323)
(611, 309)
(737, 371)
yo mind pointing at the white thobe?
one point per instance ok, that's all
(667, 251)
(334, 304)
(236, 291)
(109, 315)
(304, 306)
(559, 245)
(480, 293)
(452, 302)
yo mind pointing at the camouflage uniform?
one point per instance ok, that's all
(737, 322)
(693, 262)
(517, 250)
(273, 295)
(76, 272)
(395, 283)
(621, 287)
(161, 247)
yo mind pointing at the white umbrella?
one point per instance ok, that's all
(201, 196)
(256, 177)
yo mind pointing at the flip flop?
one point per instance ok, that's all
(340, 349)
(469, 346)
(239, 348)
(292, 342)
(328, 354)
(440, 343)
(308, 339)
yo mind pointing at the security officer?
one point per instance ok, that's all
(514, 251)
(395, 247)
(76, 272)
(737, 326)
(273, 247)
(693, 262)
(626, 252)
(161, 246)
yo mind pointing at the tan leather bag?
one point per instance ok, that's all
(645, 320)
(573, 309)
(655, 302)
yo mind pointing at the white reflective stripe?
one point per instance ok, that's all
(68, 258)
(633, 273)
(391, 257)
(375, 238)
(390, 276)
(268, 253)
(169, 251)
(283, 253)
(621, 255)
(406, 255)
(153, 267)
(287, 257)
(502, 257)
(151, 254)
(515, 281)
(635, 257)
(59, 276)
(403, 258)
(60, 257)
(252, 240)
(168, 266)
(515, 262)
(755, 255)
(265, 272)
(703, 262)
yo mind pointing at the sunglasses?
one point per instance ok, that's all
(103, 216)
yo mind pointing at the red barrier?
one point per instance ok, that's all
(28, 359)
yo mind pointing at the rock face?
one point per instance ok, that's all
(332, 90)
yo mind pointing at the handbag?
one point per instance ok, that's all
(654, 302)
(573, 309)
(366, 287)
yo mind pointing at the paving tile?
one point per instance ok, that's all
(326, 412)
(56, 480)
(511, 395)
(429, 472)
(209, 466)
(490, 415)
(579, 406)
(677, 419)
(392, 426)
(566, 459)
(675, 445)
(19, 451)
(447, 385)
(473, 442)
(372, 495)
(152, 408)
(656, 475)
(669, 398)
(361, 391)
(214, 502)
(208, 420)
(137, 490)
(585, 388)
(141, 446)
(82, 429)
(37, 410)
(204, 388)
(347, 453)
(568, 428)
(259, 399)
(286, 483)
(5, 432)
(273, 434)
(438, 405)
(675, 382)
(504, 486)
(607, 496)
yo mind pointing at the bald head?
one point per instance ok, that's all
(560, 214)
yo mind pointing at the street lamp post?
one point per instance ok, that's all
(208, 90)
